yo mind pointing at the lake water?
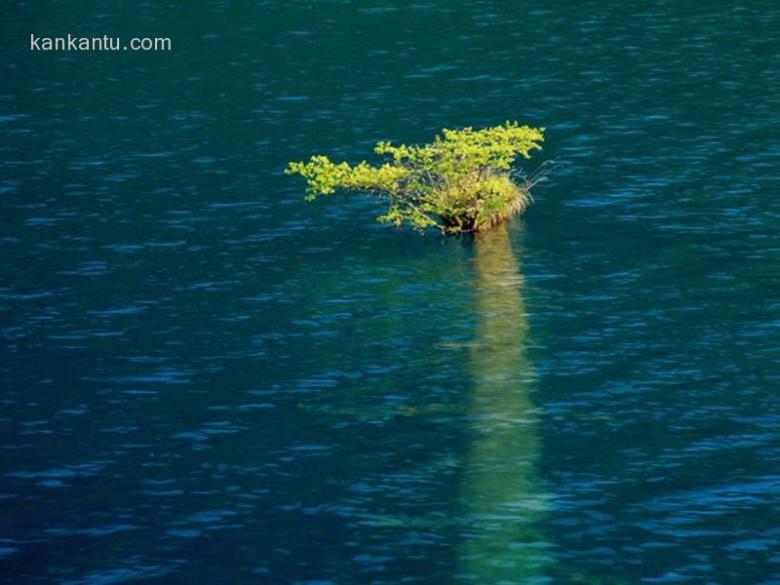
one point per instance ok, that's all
(206, 380)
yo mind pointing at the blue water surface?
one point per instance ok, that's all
(206, 380)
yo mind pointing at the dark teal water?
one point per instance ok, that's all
(205, 380)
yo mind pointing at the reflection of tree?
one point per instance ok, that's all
(500, 542)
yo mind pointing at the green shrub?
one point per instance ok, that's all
(461, 182)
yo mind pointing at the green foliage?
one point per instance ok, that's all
(463, 181)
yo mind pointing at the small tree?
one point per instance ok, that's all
(461, 182)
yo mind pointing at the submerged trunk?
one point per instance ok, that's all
(501, 498)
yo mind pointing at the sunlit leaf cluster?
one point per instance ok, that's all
(462, 181)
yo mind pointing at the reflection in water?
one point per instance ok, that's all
(501, 500)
